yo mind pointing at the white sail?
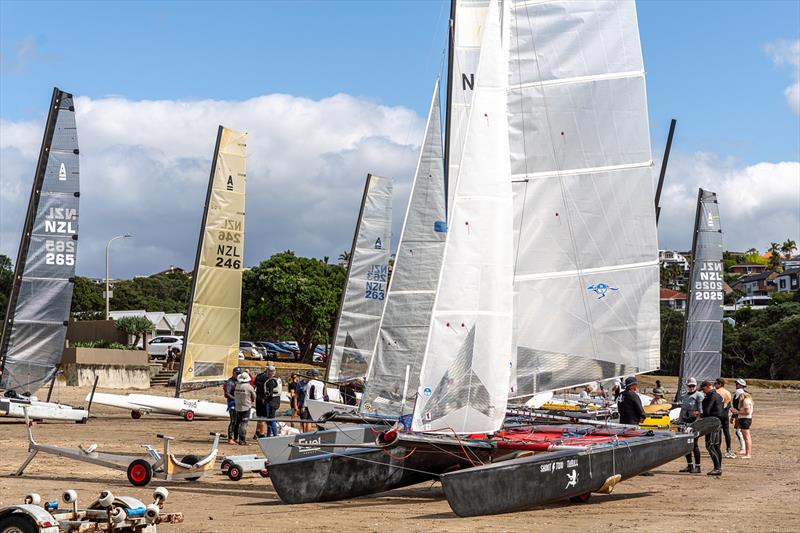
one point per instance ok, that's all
(586, 265)
(405, 323)
(211, 349)
(364, 295)
(465, 369)
(470, 17)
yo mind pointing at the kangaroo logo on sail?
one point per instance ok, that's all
(59, 220)
(601, 288)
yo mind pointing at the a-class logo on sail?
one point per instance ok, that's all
(601, 288)
(229, 185)
(62, 173)
(378, 244)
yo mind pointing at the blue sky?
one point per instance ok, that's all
(720, 68)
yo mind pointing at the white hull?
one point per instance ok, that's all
(14, 408)
(145, 403)
(317, 408)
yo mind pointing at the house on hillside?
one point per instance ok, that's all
(788, 280)
(792, 262)
(756, 284)
(673, 299)
(746, 269)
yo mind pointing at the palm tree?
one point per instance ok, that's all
(344, 258)
(788, 247)
(775, 256)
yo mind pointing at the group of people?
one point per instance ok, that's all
(711, 400)
(244, 392)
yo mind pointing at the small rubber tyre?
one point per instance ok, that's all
(235, 472)
(188, 416)
(191, 460)
(136, 415)
(226, 464)
(581, 498)
(263, 472)
(140, 472)
(17, 523)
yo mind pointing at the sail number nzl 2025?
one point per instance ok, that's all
(709, 284)
(229, 241)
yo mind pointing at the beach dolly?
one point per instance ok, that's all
(106, 513)
(235, 466)
(140, 469)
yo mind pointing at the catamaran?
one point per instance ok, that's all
(211, 350)
(36, 321)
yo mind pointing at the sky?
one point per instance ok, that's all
(329, 91)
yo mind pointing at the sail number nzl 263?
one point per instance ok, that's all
(229, 242)
(60, 222)
(377, 276)
(709, 285)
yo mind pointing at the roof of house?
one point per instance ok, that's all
(669, 294)
(790, 272)
(748, 265)
(756, 277)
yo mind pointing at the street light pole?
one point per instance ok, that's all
(108, 298)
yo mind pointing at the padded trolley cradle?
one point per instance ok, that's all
(234, 466)
(140, 469)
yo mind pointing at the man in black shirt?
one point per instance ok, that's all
(261, 403)
(713, 408)
(630, 405)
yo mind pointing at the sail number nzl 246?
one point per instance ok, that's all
(60, 222)
(709, 286)
(229, 240)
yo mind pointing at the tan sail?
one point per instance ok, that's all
(211, 347)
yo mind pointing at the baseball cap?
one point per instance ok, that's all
(691, 381)
(631, 381)
(237, 370)
(705, 384)
(314, 372)
(741, 382)
(271, 368)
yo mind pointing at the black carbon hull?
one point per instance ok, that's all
(523, 483)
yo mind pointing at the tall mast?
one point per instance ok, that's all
(196, 271)
(663, 172)
(448, 102)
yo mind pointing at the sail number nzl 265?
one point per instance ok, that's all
(229, 242)
(60, 222)
(709, 285)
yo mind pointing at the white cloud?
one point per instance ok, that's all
(145, 166)
(783, 52)
(758, 203)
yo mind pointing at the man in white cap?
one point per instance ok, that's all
(690, 411)
(741, 385)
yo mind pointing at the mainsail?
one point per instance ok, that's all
(41, 295)
(364, 296)
(586, 265)
(465, 368)
(406, 319)
(702, 334)
(211, 347)
(467, 22)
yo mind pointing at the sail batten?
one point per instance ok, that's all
(364, 296)
(211, 347)
(41, 296)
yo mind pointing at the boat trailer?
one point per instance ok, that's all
(140, 469)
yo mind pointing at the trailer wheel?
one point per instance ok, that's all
(191, 460)
(136, 415)
(263, 472)
(140, 472)
(17, 523)
(235, 472)
(581, 498)
(226, 464)
(188, 416)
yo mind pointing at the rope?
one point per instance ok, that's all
(355, 458)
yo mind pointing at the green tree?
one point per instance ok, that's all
(788, 247)
(137, 326)
(775, 256)
(671, 340)
(162, 292)
(6, 281)
(87, 299)
(292, 296)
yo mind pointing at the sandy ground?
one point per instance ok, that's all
(762, 494)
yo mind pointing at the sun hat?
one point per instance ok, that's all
(631, 381)
(244, 377)
(270, 368)
(741, 382)
(691, 381)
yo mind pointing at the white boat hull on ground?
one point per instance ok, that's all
(145, 403)
(15, 408)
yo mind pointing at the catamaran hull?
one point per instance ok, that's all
(144, 403)
(15, 408)
(524, 483)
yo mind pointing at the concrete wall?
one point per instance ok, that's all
(117, 369)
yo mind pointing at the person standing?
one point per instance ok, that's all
(712, 408)
(245, 397)
(741, 385)
(658, 397)
(586, 394)
(630, 405)
(719, 385)
(745, 421)
(228, 388)
(690, 411)
(262, 411)
(273, 389)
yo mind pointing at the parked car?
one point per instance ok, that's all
(291, 346)
(257, 352)
(320, 354)
(275, 351)
(159, 347)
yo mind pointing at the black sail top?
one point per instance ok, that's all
(38, 310)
